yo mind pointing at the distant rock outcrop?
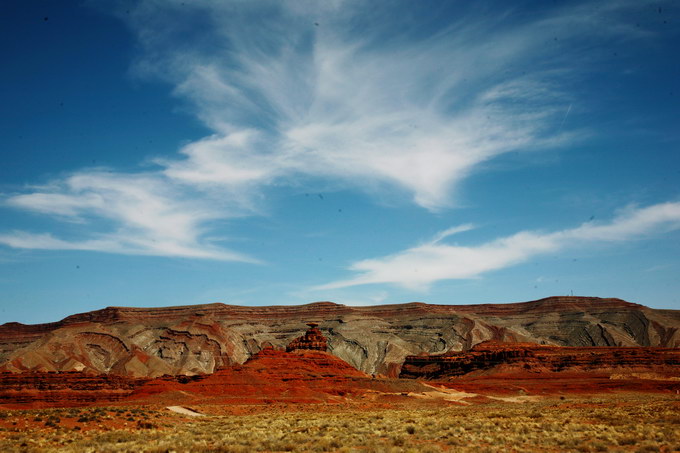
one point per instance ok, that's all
(199, 339)
(312, 340)
(526, 358)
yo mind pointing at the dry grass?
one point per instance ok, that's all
(620, 423)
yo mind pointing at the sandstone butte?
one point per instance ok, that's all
(200, 339)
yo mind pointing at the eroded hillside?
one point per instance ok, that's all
(149, 342)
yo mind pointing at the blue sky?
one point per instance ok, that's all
(164, 152)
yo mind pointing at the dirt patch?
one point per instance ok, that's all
(185, 411)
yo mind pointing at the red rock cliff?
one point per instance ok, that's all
(491, 357)
(198, 339)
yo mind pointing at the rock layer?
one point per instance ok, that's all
(493, 358)
(74, 388)
(198, 339)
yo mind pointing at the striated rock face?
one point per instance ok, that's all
(36, 389)
(527, 358)
(192, 340)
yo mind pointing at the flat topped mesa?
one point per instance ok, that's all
(313, 339)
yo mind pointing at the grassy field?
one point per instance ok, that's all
(632, 423)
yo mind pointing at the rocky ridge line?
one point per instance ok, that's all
(198, 339)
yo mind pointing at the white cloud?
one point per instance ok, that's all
(221, 160)
(355, 93)
(420, 266)
(451, 231)
(416, 112)
(147, 215)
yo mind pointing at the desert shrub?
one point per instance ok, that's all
(398, 441)
(600, 446)
(647, 447)
(146, 425)
(616, 423)
(628, 440)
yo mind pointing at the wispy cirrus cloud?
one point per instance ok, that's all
(146, 216)
(293, 97)
(420, 266)
(373, 97)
